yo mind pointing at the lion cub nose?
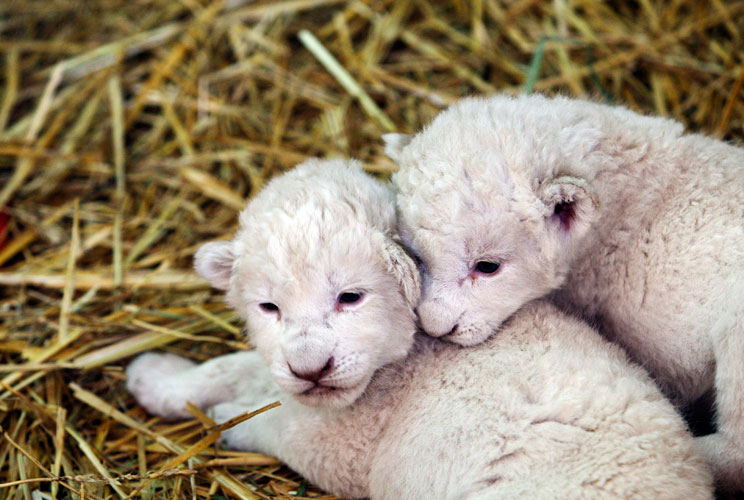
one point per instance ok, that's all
(313, 375)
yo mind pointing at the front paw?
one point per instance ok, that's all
(150, 379)
(239, 437)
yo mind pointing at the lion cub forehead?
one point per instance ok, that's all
(320, 206)
(310, 263)
(498, 139)
(317, 222)
(331, 189)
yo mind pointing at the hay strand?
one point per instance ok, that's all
(345, 79)
(132, 132)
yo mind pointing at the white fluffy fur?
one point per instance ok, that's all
(647, 238)
(325, 227)
(545, 410)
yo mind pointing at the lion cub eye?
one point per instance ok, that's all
(350, 297)
(269, 307)
(487, 267)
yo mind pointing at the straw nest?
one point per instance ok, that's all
(132, 131)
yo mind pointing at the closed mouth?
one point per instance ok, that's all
(468, 336)
(453, 335)
(321, 390)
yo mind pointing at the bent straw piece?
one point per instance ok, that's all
(245, 416)
(345, 79)
(214, 435)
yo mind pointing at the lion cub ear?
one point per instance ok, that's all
(572, 206)
(394, 144)
(402, 266)
(214, 262)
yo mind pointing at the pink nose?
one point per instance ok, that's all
(437, 317)
(313, 375)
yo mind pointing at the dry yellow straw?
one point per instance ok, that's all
(162, 122)
(345, 79)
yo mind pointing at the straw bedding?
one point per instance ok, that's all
(133, 131)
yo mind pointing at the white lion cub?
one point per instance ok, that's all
(639, 227)
(546, 410)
